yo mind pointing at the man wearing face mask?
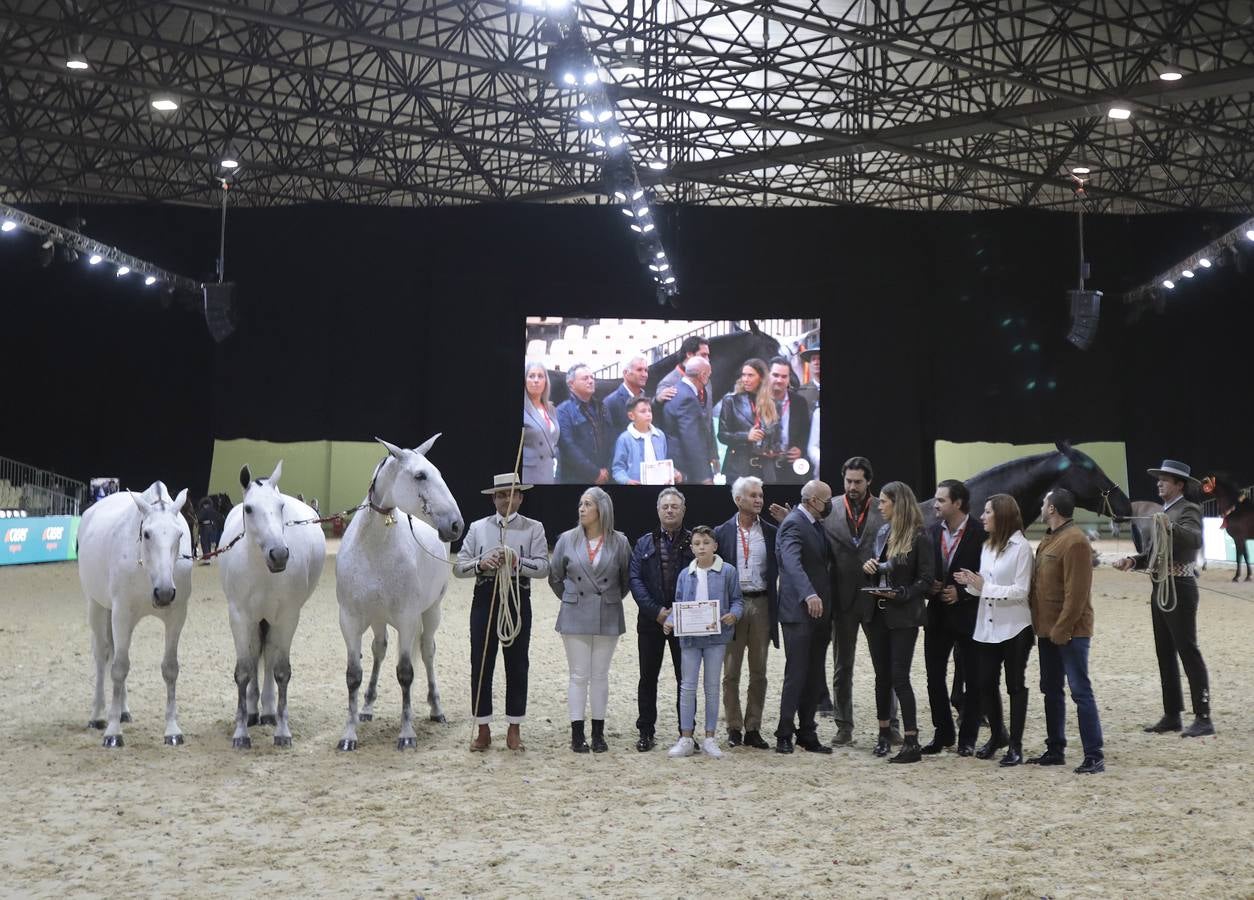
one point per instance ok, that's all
(805, 611)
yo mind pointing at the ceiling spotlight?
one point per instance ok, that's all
(657, 165)
(1170, 73)
(229, 161)
(1249, 235)
(642, 228)
(628, 212)
(47, 252)
(164, 103)
(590, 77)
(1187, 273)
(1169, 284)
(1204, 263)
(669, 279)
(615, 140)
(77, 62)
(661, 254)
(95, 259)
(1119, 112)
(150, 280)
(8, 225)
(1081, 170)
(123, 270)
(629, 65)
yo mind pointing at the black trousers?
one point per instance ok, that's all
(805, 652)
(941, 639)
(1175, 634)
(892, 651)
(516, 661)
(652, 643)
(1011, 655)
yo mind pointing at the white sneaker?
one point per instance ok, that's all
(683, 747)
(710, 748)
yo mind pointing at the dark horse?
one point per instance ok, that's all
(1238, 513)
(727, 354)
(1029, 478)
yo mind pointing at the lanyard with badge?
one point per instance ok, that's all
(856, 522)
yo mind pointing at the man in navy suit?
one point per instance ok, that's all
(635, 376)
(690, 426)
(805, 614)
(586, 442)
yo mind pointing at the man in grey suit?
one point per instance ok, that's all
(805, 609)
(851, 531)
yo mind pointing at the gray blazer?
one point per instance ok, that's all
(803, 557)
(850, 551)
(591, 594)
(539, 445)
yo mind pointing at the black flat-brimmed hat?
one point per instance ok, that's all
(1175, 469)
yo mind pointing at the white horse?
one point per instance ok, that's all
(267, 578)
(393, 570)
(134, 560)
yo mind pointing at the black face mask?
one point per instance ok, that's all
(827, 509)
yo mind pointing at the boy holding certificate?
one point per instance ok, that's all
(707, 605)
(640, 454)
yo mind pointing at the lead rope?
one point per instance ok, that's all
(1161, 563)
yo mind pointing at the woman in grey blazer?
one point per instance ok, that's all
(588, 573)
(540, 428)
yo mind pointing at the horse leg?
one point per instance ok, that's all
(352, 631)
(431, 621)
(405, 642)
(174, 620)
(266, 669)
(123, 625)
(247, 649)
(378, 650)
(278, 661)
(102, 653)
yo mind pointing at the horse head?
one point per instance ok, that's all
(263, 516)
(161, 529)
(1093, 489)
(407, 480)
(1223, 490)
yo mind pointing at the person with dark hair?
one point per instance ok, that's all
(640, 443)
(851, 531)
(585, 440)
(693, 345)
(794, 422)
(956, 540)
(208, 526)
(902, 567)
(658, 558)
(1174, 605)
(1062, 618)
(748, 425)
(1003, 624)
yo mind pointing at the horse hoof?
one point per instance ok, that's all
(441, 718)
(346, 745)
(268, 720)
(242, 743)
(126, 717)
(253, 720)
(112, 740)
(365, 717)
(281, 741)
(174, 740)
(407, 744)
(98, 724)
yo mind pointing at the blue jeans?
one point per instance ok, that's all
(1071, 661)
(691, 660)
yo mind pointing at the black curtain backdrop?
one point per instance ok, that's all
(355, 322)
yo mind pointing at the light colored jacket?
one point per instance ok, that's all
(591, 593)
(1003, 610)
(629, 453)
(524, 536)
(722, 581)
(539, 445)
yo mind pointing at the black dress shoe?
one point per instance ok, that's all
(646, 742)
(966, 750)
(814, 745)
(935, 747)
(1090, 766)
(754, 739)
(843, 736)
(1163, 725)
(783, 745)
(1013, 757)
(1049, 758)
(1202, 726)
(734, 738)
(994, 744)
(883, 743)
(910, 751)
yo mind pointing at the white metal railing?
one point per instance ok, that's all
(39, 491)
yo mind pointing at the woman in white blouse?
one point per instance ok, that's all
(1003, 625)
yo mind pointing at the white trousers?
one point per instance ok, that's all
(588, 657)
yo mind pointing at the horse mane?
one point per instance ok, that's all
(1019, 465)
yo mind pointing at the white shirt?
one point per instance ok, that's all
(1003, 610)
(1167, 506)
(703, 584)
(750, 570)
(650, 456)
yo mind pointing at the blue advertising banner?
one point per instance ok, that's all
(39, 539)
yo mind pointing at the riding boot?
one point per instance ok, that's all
(884, 743)
(577, 742)
(598, 736)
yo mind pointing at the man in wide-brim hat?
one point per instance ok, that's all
(504, 543)
(1175, 618)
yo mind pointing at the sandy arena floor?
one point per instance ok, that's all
(1170, 817)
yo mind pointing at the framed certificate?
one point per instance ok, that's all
(697, 617)
(661, 471)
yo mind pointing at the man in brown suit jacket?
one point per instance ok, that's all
(1062, 617)
(1175, 619)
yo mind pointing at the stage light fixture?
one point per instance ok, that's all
(1187, 273)
(150, 280)
(1170, 74)
(1204, 263)
(77, 62)
(164, 103)
(1169, 70)
(229, 161)
(1249, 235)
(1081, 170)
(629, 212)
(1169, 284)
(123, 271)
(1119, 112)
(629, 65)
(8, 225)
(657, 165)
(47, 253)
(95, 259)
(642, 227)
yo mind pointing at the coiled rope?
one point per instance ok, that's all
(1161, 563)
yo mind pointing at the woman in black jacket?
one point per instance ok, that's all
(894, 608)
(748, 425)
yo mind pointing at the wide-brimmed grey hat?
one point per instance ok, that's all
(806, 353)
(1176, 469)
(504, 482)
